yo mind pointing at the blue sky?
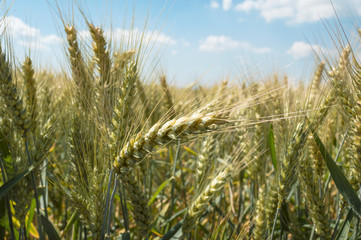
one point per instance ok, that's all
(191, 40)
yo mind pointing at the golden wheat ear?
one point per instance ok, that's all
(161, 134)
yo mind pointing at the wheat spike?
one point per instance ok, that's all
(161, 134)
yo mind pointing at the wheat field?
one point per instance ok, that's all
(101, 151)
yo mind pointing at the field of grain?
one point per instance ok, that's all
(101, 151)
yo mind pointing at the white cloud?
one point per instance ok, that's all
(32, 45)
(298, 11)
(17, 28)
(278, 13)
(224, 43)
(161, 38)
(248, 5)
(122, 35)
(185, 42)
(226, 4)
(25, 35)
(50, 39)
(218, 44)
(214, 4)
(126, 36)
(300, 50)
(174, 52)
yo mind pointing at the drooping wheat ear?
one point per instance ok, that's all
(315, 203)
(168, 97)
(207, 153)
(200, 203)
(121, 115)
(259, 231)
(79, 72)
(11, 97)
(161, 134)
(315, 85)
(31, 103)
(139, 202)
(290, 162)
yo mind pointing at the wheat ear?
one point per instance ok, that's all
(315, 203)
(121, 114)
(161, 134)
(290, 163)
(79, 71)
(102, 57)
(105, 90)
(138, 201)
(13, 101)
(315, 85)
(260, 216)
(31, 103)
(199, 204)
(338, 79)
(207, 152)
(168, 97)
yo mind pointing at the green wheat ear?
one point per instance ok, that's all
(199, 204)
(31, 101)
(138, 201)
(12, 98)
(168, 97)
(260, 228)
